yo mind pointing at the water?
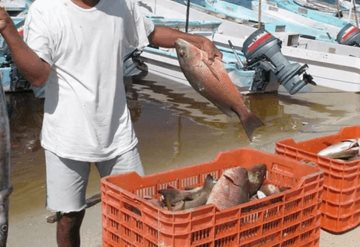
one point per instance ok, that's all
(176, 127)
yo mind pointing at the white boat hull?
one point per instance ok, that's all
(168, 67)
(331, 65)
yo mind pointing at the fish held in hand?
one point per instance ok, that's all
(342, 150)
(231, 189)
(211, 80)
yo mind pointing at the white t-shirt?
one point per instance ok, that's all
(86, 117)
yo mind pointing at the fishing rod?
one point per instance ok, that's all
(259, 15)
(355, 13)
(240, 63)
(91, 201)
(187, 15)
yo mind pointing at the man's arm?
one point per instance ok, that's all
(166, 37)
(32, 67)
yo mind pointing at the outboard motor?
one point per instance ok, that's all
(349, 35)
(262, 50)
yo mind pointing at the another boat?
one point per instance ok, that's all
(337, 12)
(248, 78)
(330, 64)
(11, 78)
(272, 18)
(164, 63)
(16, 7)
(329, 17)
(331, 7)
(206, 27)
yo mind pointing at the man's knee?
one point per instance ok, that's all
(68, 229)
(71, 219)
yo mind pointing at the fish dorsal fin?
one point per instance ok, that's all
(236, 179)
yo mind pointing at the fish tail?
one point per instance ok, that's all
(250, 122)
(209, 183)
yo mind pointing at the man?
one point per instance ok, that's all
(77, 47)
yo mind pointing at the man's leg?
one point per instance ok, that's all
(68, 229)
(129, 161)
(66, 182)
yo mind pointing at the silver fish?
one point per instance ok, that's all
(342, 150)
(176, 199)
(5, 188)
(269, 189)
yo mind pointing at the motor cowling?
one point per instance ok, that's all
(263, 50)
(349, 35)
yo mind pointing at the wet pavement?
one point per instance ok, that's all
(176, 127)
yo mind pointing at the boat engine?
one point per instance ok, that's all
(349, 35)
(263, 52)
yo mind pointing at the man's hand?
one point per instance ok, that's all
(5, 19)
(32, 67)
(166, 37)
(209, 47)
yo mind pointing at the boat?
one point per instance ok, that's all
(16, 7)
(164, 63)
(330, 7)
(338, 12)
(11, 78)
(272, 18)
(250, 78)
(206, 27)
(331, 65)
(328, 17)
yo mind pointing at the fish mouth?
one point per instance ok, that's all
(181, 47)
(181, 43)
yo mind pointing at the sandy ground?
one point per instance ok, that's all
(41, 233)
(31, 229)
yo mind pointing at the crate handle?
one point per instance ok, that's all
(282, 169)
(288, 141)
(134, 206)
(308, 162)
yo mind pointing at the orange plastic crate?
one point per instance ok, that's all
(290, 218)
(341, 198)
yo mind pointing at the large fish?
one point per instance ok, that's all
(231, 189)
(211, 80)
(342, 150)
(5, 188)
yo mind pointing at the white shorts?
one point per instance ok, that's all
(66, 179)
